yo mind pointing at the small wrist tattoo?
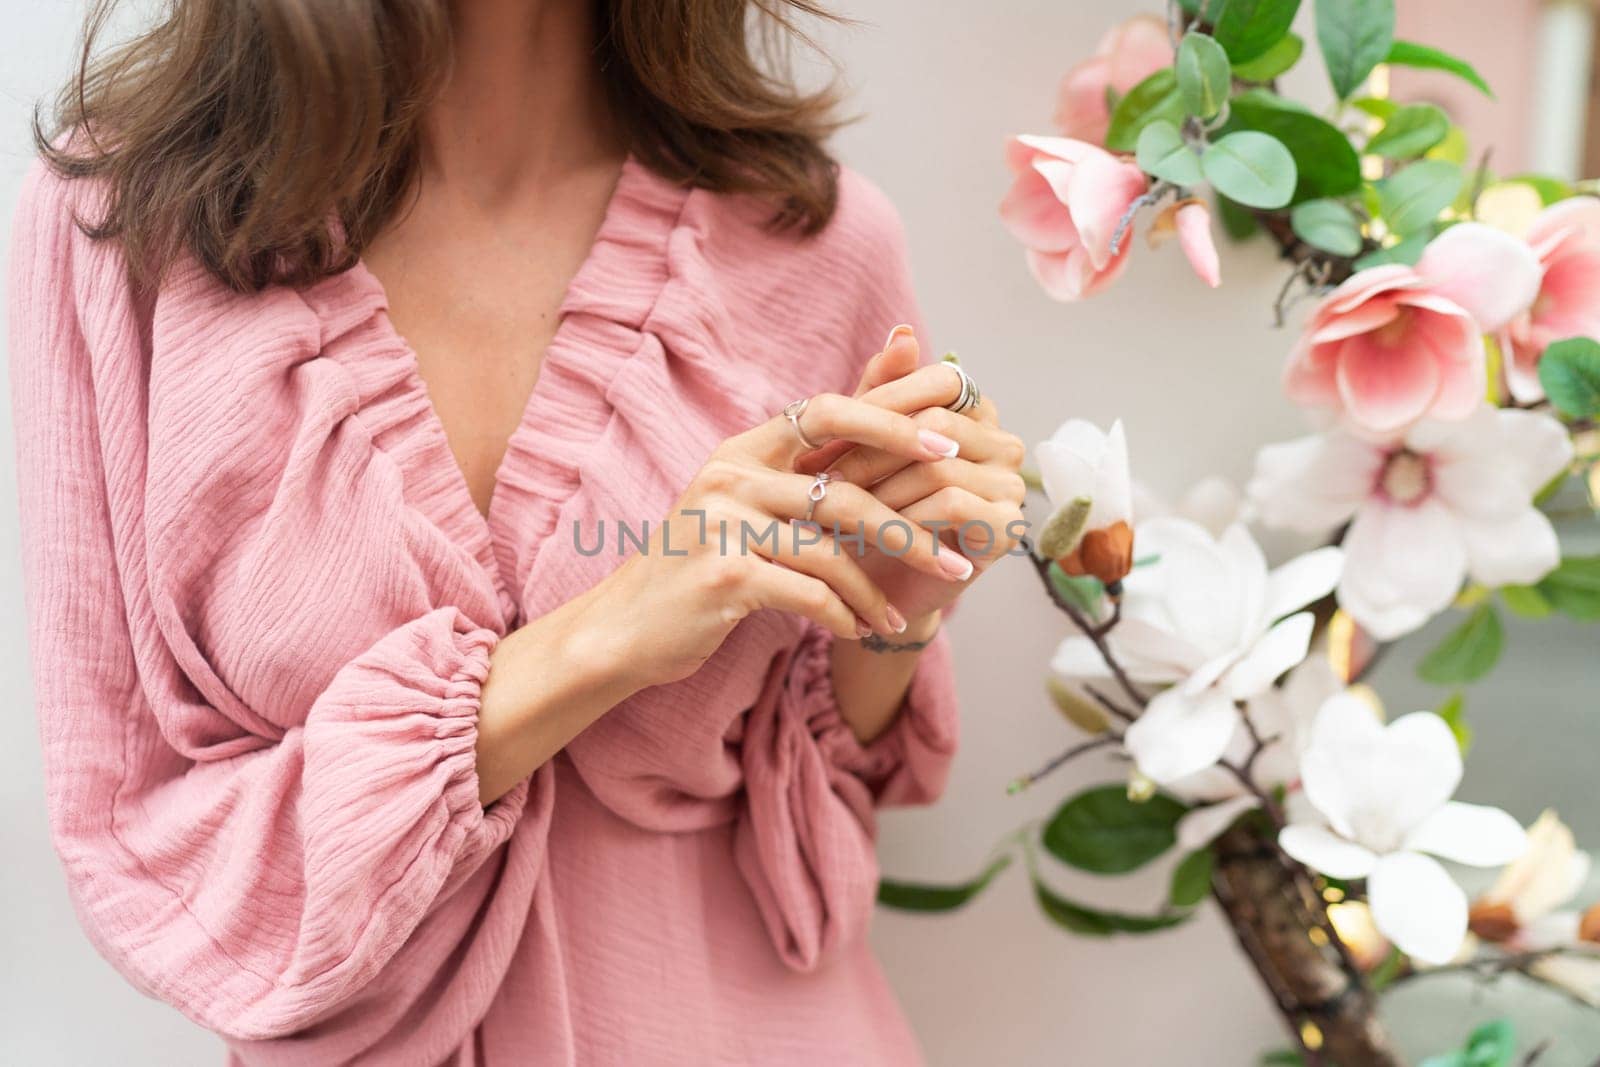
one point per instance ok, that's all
(875, 643)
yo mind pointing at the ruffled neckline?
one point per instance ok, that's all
(603, 316)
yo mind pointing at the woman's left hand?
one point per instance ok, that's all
(975, 497)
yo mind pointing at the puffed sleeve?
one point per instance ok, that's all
(257, 882)
(806, 845)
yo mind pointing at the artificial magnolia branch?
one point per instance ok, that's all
(1453, 360)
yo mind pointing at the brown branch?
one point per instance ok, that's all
(1070, 754)
(1093, 631)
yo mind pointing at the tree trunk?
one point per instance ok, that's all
(1282, 925)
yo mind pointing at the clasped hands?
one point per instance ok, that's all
(933, 496)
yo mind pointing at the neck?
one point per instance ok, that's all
(526, 101)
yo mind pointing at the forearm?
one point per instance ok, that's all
(870, 685)
(547, 681)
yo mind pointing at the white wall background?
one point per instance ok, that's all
(1193, 373)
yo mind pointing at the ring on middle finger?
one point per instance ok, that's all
(969, 396)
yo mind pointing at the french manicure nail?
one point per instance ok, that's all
(937, 442)
(957, 566)
(903, 328)
(897, 621)
(862, 629)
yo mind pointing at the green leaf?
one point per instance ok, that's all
(912, 896)
(1253, 168)
(1274, 61)
(1094, 922)
(1163, 153)
(1325, 162)
(1379, 107)
(1453, 148)
(1152, 100)
(1412, 199)
(1204, 75)
(1573, 588)
(1282, 1057)
(1355, 36)
(1570, 373)
(1407, 252)
(1493, 1044)
(1525, 600)
(1421, 57)
(1468, 652)
(1084, 592)
(1248, 28)
(1549, 189)
(1237, 221)
(1191, 879)
(1390, 968)
(1102, 831)
(1328, 225)
(1410, 132)
(1454, 713)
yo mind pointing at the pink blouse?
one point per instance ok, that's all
(262, 604)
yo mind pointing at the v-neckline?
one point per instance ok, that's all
(483, 525)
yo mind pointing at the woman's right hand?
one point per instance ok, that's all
(728, 548)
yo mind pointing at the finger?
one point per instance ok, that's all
(975, 441)
(776, 586)
(830, 417)
(912, 483)
(809, 550)
(856, 521)
(938, 385)
(983, 530)
(898, 358)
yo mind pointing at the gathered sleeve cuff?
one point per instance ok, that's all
(806, 841)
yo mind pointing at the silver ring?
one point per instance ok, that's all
(969, 396)
(818, 490)
(792, 411)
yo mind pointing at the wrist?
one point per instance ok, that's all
(922, 628)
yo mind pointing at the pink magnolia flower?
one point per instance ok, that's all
(1190, 222)
(1128, 54)
(1447, 501)
(1066, 200)
(1566, 238)
(1396, 343)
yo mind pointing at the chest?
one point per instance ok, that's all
(477, 292)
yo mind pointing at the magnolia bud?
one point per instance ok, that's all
(1589, 925)
(1492, 921)
(1104, 554)
(1064, 527)
(1140, 787)
(1079, 710)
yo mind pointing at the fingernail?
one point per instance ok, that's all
(862, 629)
(937, 442)
(897, 621)
(954, 564)
(903, 328)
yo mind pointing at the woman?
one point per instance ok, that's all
(344, 337)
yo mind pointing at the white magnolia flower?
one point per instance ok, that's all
(1282, 717)
(1214, 502)
(1526, 910)
(1206, 618)
(1085, 475)
(1521, 908)
(1385, 795)
(1448, 500)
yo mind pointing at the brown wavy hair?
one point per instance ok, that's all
(239, 131)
